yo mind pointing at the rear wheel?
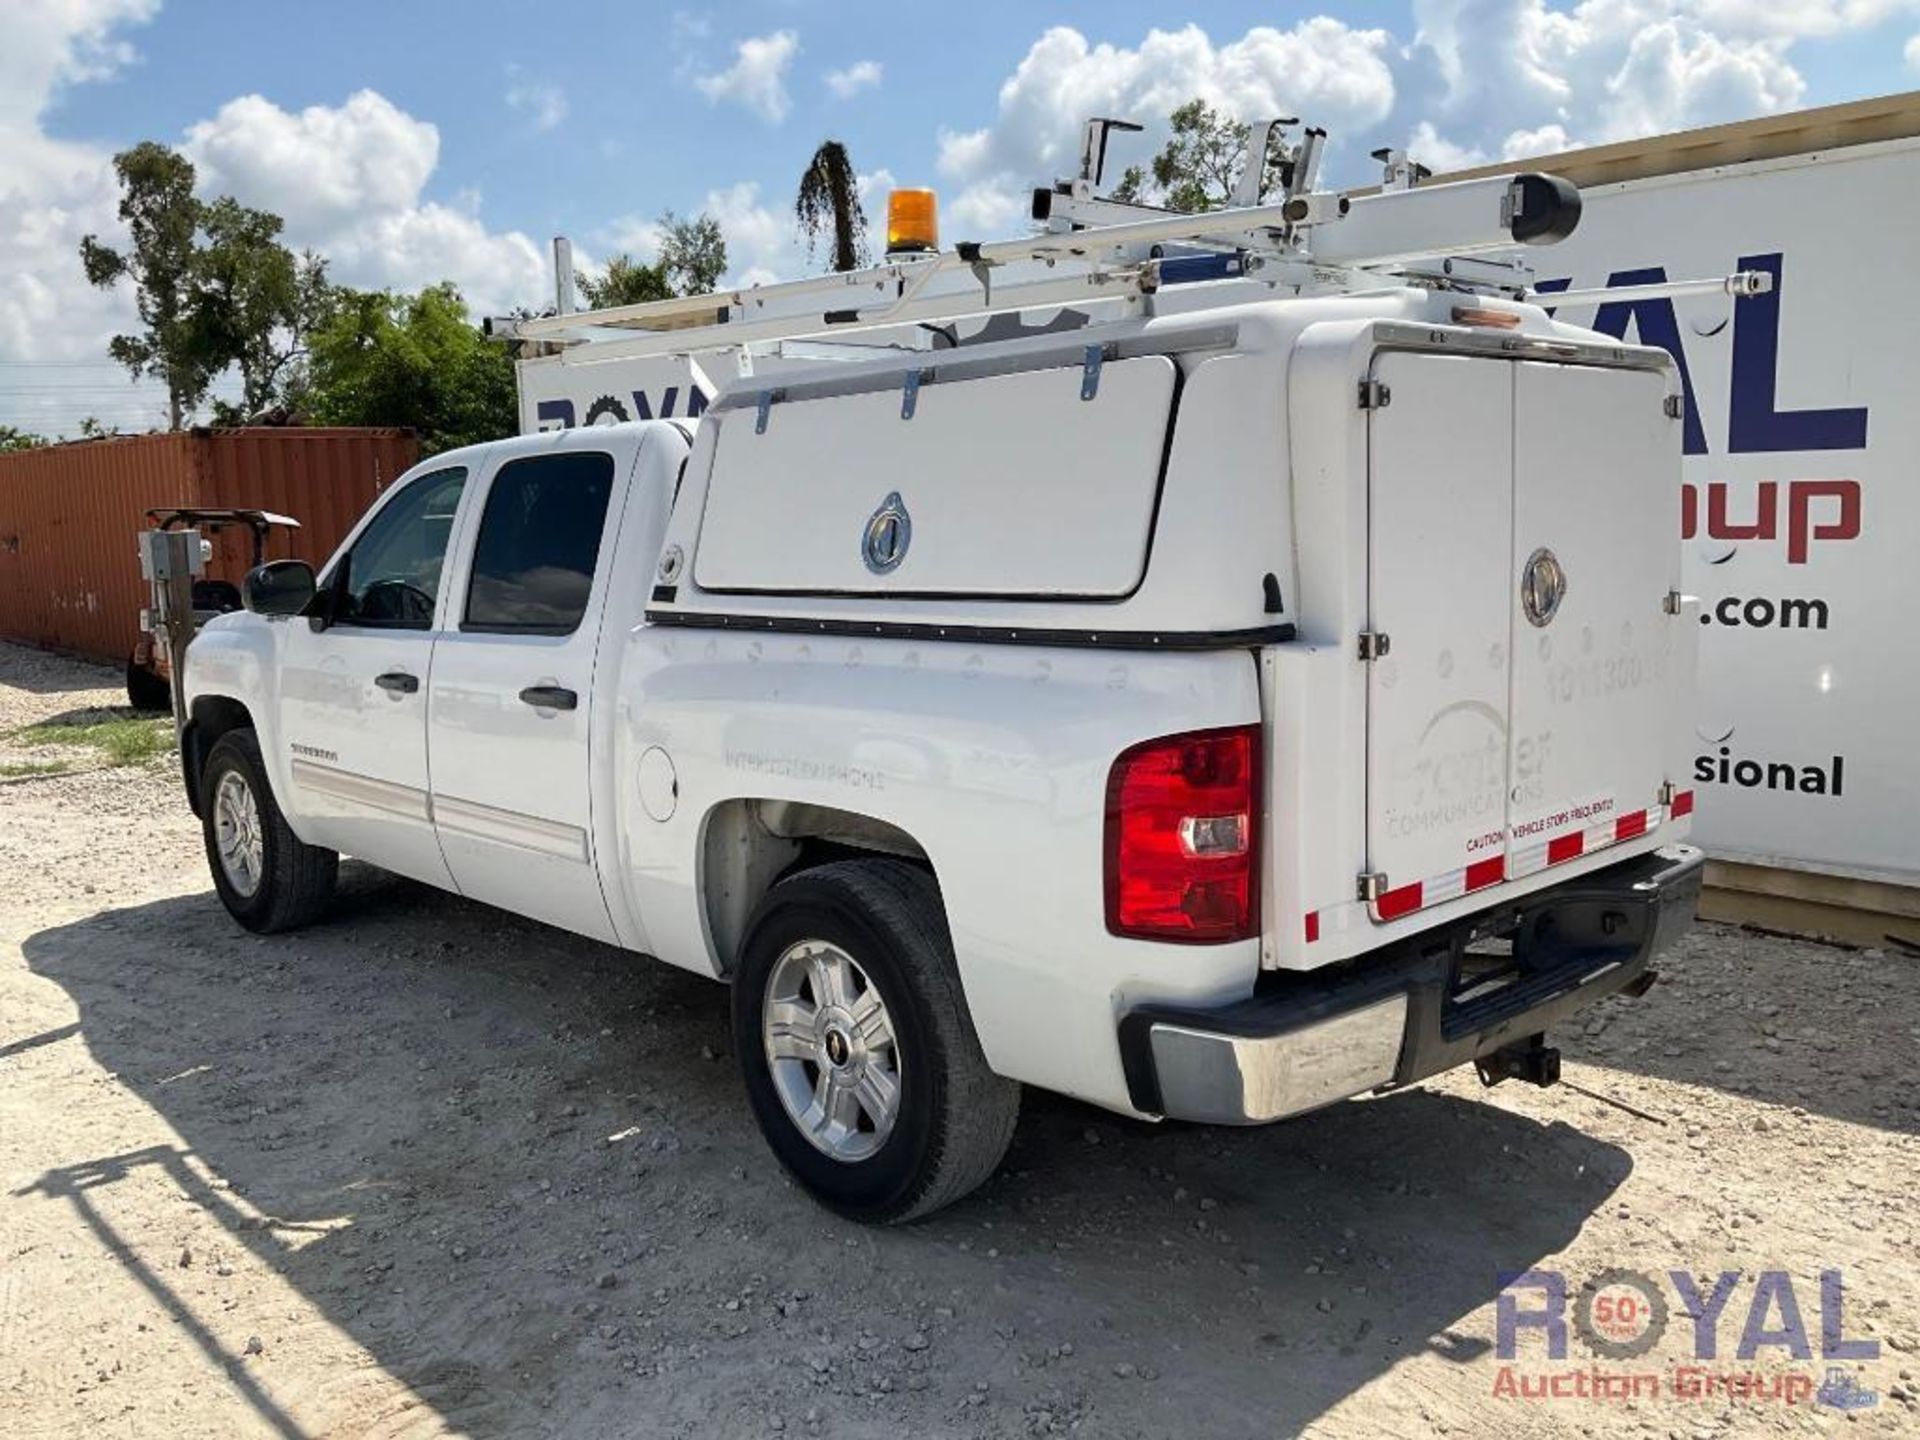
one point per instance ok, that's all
(265, 876)
(860, 1059)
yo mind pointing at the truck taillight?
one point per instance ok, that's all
(1183, 825)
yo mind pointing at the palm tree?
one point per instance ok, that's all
(830, 194)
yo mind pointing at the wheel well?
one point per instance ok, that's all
(212, 716)
(750, 844)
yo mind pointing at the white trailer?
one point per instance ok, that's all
(1801, 504)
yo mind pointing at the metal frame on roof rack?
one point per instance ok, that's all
(1317, 239)
(1095, 248)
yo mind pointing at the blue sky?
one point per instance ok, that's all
(413, 140)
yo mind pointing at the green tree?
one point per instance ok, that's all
(693, 253)
(214, 286)
(693, 257)
(163, 218)
(394, 359)
(1199, 167)
(624, 281)
(256, 301)
(12, 438)
(829, 199)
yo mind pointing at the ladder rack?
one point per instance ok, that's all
(1308, 241)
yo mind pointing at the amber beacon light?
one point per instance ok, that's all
(913, 222)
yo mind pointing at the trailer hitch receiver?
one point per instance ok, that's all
(1531, 1059)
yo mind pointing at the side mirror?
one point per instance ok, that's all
(280, 587)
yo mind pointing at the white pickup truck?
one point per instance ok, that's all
(1213, 712)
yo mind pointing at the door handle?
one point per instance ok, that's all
(550, 697)
(397, 682)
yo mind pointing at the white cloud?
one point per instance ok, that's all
(1913, 53)
(1472, 81)
(52, 192)
(631, 235)
(1433, 150)
(348, 180)
(322, 168)
(1507, 73)
(1543, 140)
(757, 78)
(541, 101)
(763, 244)
(1321, 69)
(1788, 19)
(51, 43)
(1675, 75)
(861, 75)
(872, 190)
(984, 210)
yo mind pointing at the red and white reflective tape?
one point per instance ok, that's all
(1528, 860)
(1572, 844)
(1405, 899)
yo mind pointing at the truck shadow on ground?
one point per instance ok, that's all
(97, 714)
(518, 1169)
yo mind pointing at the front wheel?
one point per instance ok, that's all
(265, 876)
(860, 1060)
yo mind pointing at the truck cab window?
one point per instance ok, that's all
(539, 540)
(391, 577)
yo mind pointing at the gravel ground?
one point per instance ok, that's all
(426, 1168)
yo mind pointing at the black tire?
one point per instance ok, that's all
(956, 1117)
(146, 690)
(296, 880)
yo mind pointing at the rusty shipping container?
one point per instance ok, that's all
(69, 571)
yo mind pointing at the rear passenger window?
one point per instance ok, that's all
(539, 539)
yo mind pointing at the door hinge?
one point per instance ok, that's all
(1375, 394)
(1673, 602)
(1374, 644)
(910, 394)
(1090, 363)
(1674, 407)
(1667, 792)
(1373, 884)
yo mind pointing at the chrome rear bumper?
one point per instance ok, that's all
(1416, 1008)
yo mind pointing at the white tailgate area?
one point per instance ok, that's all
(1521, 521)
(1595, 487)
(974, 474)
(1440, 518)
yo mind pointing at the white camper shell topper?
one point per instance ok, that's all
(1211, 666)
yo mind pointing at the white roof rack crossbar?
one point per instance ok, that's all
(1077, 289)
(1334, 235)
